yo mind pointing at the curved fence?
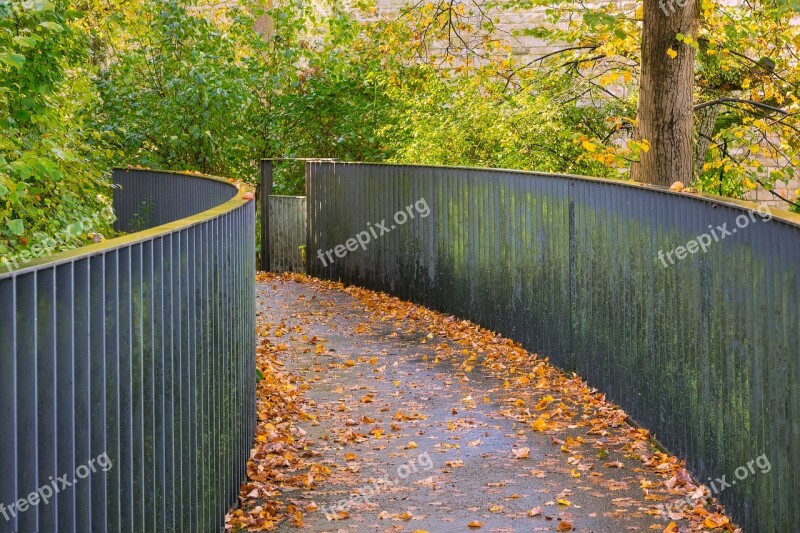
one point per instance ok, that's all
(682, 308)
(127, 381)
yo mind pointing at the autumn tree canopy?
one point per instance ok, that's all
(702, 92)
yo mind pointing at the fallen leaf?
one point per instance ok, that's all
(521, 453)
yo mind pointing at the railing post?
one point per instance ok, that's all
(266, 191)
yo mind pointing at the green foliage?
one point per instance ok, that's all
(362, 95)
(184, 93)
(469, 121)
(189, 85)
(52, 168)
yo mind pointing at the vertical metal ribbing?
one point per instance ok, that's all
(47, 430)
(142, 353)
(97, 380)
(224, 364)
(222, 466)
(177, 319)
(149, 354)
(234, 357)
(97, 388)
(191, 265)
(159, 358)
(241, 322)
(266, 191)
(230, 353)
(112, 398)
(219, 245)
(81, 424)
(8, 400)
(311, 251)
(792, 298)
(126, 414)
(200, 424)
(250, 353)
(26, 383)
(187, 453)
(137, 348)
(171, 466)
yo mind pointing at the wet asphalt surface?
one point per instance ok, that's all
(414, 447)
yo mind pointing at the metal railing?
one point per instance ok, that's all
(127, 373)
(282, 220)
(287, 233)
(699, 343)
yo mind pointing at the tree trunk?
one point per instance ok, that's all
(665, 92)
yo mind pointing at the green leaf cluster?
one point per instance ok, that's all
(53, 165)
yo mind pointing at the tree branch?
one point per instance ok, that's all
(740, 101)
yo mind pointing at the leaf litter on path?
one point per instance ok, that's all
(359, 387)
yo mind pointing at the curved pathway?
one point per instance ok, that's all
(379, 415)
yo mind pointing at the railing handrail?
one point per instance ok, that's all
(116, 243)
(779, 214)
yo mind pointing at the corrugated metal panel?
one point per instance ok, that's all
(141, 350)
(287, 233)
(705, 352)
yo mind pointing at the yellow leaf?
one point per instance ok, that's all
(544, 402)
(539, 425)
(589, 147)
(672, 53)
(715, 520)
